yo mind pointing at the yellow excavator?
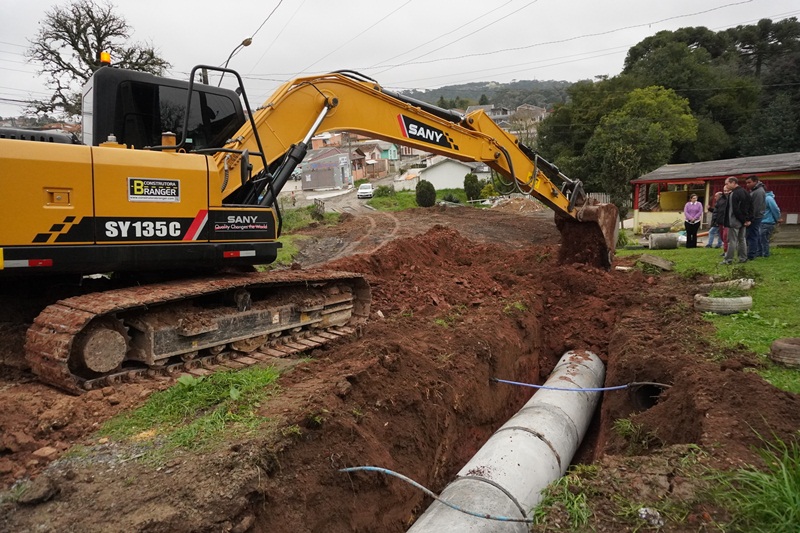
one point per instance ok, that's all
(173, 188)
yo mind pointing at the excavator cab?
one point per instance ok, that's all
(136, 108)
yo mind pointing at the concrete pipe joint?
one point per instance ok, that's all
(506, 476)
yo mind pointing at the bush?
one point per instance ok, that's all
(488, 191)
(426, 194)
(383, 191)
(452, 198)
(472, 186)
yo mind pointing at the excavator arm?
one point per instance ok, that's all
(347, 101)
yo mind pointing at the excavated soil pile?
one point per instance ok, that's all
(410, 393)
(519, 205)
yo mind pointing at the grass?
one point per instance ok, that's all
(767, 499)
(638, 439)
(289, 250)
(296, 219)
(568, 495)
(451, 317)
(402, 200)
(775, 313)
(515, 307)
(197, 412)
(399, 201)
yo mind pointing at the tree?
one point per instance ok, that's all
(426, 194)
(484, 100)
(639, 137)
(774, 129)
(68, 46)
(524, 123)
(472, 186)
(760, 44)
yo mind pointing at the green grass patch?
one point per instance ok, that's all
(196, 411)
(765, 499)
(399, 201)
(290, 249)
(452, 317)
(775, 313)
(514, 307)
(458, 194)
(567, 496)
(297, 219)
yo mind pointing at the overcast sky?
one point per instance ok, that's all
(403, 44)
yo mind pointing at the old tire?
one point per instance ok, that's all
(786, 351)
(722, 306)
(736, 284)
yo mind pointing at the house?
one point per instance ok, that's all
(326, 168)
(496, 113)
(446, 173)
(659, 196)
(408, 180)
(326, 139)
(381, 158)
(536, 113)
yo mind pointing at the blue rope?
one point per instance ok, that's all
(597, 389)
(434, 495)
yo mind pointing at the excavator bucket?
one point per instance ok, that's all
(590, 237)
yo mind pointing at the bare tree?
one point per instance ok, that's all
(524, 124)
(68, 46)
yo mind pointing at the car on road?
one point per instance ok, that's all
(365, 190)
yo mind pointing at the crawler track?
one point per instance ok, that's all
(290, 311)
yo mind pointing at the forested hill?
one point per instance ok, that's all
(510, 95)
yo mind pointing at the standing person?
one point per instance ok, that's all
(772, 215)
(726, 194)
(692, 213)
(758, 199)
(737, 218)
(715, 227)
(294, 200)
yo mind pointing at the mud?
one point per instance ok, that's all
(459, 296)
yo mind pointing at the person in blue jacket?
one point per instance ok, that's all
(772, 214)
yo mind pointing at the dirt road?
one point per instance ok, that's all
(459, 296)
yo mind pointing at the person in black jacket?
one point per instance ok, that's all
(738, 214)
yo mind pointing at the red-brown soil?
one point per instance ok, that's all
(459, 296)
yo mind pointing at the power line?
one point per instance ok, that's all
(355, 37)
(568, 39)
(442, 35)
(266, 19)
(410, 61)
(269, 46)
(13, 44)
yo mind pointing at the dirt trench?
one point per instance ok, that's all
(454, 305)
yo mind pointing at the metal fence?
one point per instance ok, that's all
(605, 198)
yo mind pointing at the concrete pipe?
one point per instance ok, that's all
(506, 476)
(663, 241)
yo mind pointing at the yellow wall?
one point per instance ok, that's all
(673, 200)
(654, 218)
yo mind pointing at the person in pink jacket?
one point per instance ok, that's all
(692, 213)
